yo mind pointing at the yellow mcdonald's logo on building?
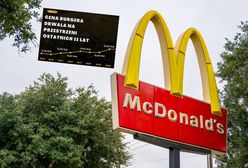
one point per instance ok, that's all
(173, 59)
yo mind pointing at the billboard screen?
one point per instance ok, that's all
(78, 38)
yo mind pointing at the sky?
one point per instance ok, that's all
(216, 20)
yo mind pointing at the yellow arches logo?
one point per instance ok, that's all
(173, 59)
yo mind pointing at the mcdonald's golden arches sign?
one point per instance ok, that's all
(139, 107)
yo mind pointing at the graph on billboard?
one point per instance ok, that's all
(78, 38)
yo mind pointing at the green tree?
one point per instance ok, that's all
(15, 21)
(49, 125)
(233, 71)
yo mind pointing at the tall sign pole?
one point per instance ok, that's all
(174, 158)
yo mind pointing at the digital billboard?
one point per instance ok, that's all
(78, 38)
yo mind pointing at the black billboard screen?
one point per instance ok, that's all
(78, 38)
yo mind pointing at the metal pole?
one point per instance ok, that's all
(210, 161)
(174, 158)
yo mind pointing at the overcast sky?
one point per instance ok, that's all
(216, 20)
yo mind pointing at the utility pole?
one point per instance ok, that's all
(210, 161)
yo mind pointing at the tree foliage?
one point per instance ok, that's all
(49, 125)
(15, 16)
(233, 71)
